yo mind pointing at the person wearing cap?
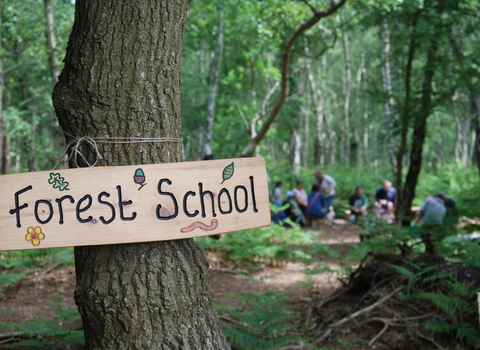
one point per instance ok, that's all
(431, 215)
(358, 203)
(327, 186)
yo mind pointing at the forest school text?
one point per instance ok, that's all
(239, 200)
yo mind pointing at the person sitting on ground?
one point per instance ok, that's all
(452, 216)
(278, 215)
(293, 211)
(385, 200)
(358, 203)
(301, 196)
(432, 214)
(327, 187)
(316, 210)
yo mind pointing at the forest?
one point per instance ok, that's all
(363, 90)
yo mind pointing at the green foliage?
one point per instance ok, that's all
(453, 305)
(266, 324)
(262, 245)
(24, 262)
(42, 333)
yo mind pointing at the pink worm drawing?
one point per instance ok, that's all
(213, 225)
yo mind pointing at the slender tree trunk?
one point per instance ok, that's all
(297, 152)
(420, 125)
(473, 97)
(2, 124)
(318, 103)
(286, 56)
(213, 88)
(51, 40)
(389, 104)
(122, 79)
(346, 105)
(407, 114)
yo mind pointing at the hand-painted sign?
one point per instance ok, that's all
(108, 205)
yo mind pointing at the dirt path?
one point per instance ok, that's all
(32, 297)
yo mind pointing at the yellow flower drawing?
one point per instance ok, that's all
(35, 235)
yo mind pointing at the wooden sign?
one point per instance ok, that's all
(125, 204)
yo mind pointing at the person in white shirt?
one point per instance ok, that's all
(327, 186)
(301, 196)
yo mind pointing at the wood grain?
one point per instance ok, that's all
(109, 205)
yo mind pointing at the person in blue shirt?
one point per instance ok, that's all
(385, 199)
(432, 214)
(316, 208)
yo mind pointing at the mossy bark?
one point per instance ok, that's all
(122, 79)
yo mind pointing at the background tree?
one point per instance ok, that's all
(122, 79)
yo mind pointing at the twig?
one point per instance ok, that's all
(355, 314)
(385, 322)
(230, 320)
(431, 340)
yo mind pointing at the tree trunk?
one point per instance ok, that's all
(297, 148)
(318, 103)
(286, 56)
(407, 114)
(346, 105)
(2, 124)
(420, 125)
(122, 79)
(213, 88)
(472, 95)
(389, 103)
(51, 40)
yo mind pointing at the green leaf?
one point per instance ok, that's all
(227, 172)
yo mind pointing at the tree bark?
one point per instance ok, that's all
(345, 138)
(122, 79)
(407, 114)
(51, 40)
(472, 95)
(318, 103)
(286, 56)
(389, 103)
(213, 88)
(420, 124)
(2, 124)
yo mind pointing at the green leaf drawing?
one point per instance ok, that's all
(58, 182)
(227, 172)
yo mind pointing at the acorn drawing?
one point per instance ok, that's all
(139, 178)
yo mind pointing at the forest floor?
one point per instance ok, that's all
(32, 297)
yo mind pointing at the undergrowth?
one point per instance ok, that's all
(43, 333)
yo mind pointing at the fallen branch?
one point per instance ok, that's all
(329, 330)
(385, 322)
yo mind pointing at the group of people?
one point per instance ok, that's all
(305, 208)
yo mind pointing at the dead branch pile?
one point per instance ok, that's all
(388, 301)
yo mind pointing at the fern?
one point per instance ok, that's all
(441, 301)
(266, 323)
(437, 325)
(10, 279)
(465, 331)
